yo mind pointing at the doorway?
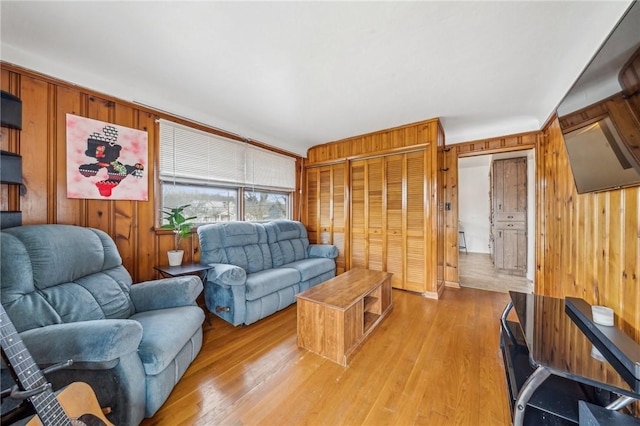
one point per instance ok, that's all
(475, 258)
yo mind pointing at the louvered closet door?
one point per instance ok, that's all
(338, 222)
(325, 218)
(359, 216)
(325, 198)
(416, 222)
(367, 214)
(374, 219)
(388, 217)
(311, 208)
(395, 219)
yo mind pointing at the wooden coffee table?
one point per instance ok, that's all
(335, 317)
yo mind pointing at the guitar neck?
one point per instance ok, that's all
(28, 373)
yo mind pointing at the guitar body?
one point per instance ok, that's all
(80, 404)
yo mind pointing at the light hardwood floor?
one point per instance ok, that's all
(430, 362)
(476, 270)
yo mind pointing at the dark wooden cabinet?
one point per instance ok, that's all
(509, 215)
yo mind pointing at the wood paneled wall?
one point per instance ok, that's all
(42, 144)
(328, 174)
(587, 245)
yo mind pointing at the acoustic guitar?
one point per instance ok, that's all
(75, 405)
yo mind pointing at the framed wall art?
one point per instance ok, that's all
(106, 161)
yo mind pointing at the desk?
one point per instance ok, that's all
(549, 364)
(186, 269)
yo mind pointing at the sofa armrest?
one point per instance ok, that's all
(91, 345)
(222, 273)
(166, 293)
(322, 250)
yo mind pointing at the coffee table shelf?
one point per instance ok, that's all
(335, 317)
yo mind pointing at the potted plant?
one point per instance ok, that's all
(181, 228)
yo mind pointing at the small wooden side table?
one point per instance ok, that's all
(187, 269)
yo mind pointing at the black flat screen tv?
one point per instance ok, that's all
(600, 115)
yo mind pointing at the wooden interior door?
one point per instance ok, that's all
(509, 195)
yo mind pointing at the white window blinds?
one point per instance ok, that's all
(192, 156)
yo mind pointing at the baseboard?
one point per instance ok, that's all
(452, 284)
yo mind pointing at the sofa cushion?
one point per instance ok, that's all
(312, 267)
(288, 241)
(262, 283)
(165, 332)
(242, 244)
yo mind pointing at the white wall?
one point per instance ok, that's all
(473, 196)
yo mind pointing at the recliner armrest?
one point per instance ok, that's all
(91, 345)
(322, 250)
(222, 273)
(166, 293)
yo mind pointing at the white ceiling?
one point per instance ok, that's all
(298, 74)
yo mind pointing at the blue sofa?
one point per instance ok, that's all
(258, 268)
(67, 293)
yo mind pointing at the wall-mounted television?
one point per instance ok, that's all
(600, 115)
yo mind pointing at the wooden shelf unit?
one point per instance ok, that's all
(335, 317)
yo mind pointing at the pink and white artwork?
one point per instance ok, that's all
(106, 161)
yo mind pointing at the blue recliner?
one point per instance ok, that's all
(66, 291)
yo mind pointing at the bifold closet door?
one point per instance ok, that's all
(326, 208)
(388, 221)
(367, 214)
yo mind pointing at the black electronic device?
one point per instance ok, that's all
(10, 110)
(600, 115)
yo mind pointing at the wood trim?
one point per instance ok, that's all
(515, 142)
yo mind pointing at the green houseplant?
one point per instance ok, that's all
(181, 227)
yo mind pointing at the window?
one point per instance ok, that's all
(209, 204)
(223, 179)
(259, 206)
